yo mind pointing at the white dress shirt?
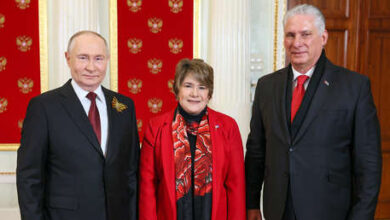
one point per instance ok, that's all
(102, 107)
(296, 74)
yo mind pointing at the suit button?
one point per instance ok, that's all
(291, 149)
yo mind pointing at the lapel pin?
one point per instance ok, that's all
(326, 82)
(119, 107)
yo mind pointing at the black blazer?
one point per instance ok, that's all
(61, 170)
(332, 162)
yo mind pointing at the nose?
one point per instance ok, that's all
(194, 92)
(90, 66)
(297, 41)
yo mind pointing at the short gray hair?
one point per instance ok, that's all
(306, 9)
(74, 36)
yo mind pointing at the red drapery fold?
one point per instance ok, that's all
(152, 37)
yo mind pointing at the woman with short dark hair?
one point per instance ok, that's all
(192, 163)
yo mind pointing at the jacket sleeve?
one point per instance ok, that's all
(31, 160)
(148, 178)
(235, 180)
(133, 166)
(255, 155)
(367, 159)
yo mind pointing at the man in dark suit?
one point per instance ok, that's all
(79, 151)
(314, 140)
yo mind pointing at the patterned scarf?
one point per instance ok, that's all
(182, 154)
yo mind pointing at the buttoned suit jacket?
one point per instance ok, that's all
(331, 162)
(61, 170)
(157, 169)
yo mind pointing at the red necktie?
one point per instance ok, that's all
(298, 94)
(93, 115)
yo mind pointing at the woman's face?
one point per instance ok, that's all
(193, 97)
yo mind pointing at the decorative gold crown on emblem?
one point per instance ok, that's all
(134, 45)
(134, 5)
(155, 105)
(175, 45)
(2, 20)
(25, 85)
(22, 4)
(155, 25)
(175, 5)
(3, 105)
(155, 65)
(3, 63)
(23, 43)
(119, 107)
(170, 85)
(134, 85)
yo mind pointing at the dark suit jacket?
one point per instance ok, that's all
(157, 169)
(61, 170)
(331, 162)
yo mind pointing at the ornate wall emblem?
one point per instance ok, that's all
(175, 5)
(20, 123)
(3, 63)
(139, 125)
(175, 45)
(155, 65)
(134, 45)
(134, 85)
(22, 4)
(155, 105)
(3, 105)
(170, 85)
(2, 20)
(25, 85)
(134, 5)
(23, 43)
(155, 25)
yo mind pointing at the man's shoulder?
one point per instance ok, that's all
(274, 76)
(346, 74)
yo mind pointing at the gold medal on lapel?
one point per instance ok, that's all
(117, 105)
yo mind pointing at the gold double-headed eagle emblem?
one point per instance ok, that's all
(155, 25)
(155, 65)
(134, 45)
(25, 85)
(3, 105)
(175, 45)
(134, 85)
(2, 20)
(23, 43)
(22, 4)
(155, 105)
(3, 63)
(175, 5)
(134, 5)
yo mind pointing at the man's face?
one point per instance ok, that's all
(303, 42)
(87, 60)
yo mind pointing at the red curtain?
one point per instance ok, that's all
(19, 64)
(152, 37)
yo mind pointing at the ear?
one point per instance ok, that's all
(67, 57)
(324, 38)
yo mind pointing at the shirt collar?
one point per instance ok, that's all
(308, 73)
(81, 93)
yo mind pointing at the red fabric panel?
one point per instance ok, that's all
(159, 33)
(19, 64)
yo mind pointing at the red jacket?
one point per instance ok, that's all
(157, 170)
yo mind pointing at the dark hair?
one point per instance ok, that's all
(197, 68)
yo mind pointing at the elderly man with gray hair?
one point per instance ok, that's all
(314, 141)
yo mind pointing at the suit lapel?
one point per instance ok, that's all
(280, 104)
(75, 109)
(318, 99)
(110, 124)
